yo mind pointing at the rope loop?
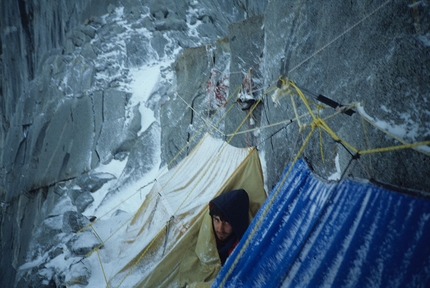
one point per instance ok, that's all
(281, 82)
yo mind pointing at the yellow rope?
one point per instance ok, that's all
(304, 99)
(116, 206)
(139, 190)
(321, 144)
(101, 265)
(142, 254)
(212, 162)
(224, 146)
(180, 206)
(187, 196)
(390, 134)
(244, 120)
(270, 125)
(270, 90)
(97, 234)
(321, 139)
(192, 138)
(366, 138)
(216, 157)
(110, 236)
(336, 138)
(266, 210)
(139, 210)
(321, 124)
(202, 127)
(197, 113)
(317, 122)
(392, 148)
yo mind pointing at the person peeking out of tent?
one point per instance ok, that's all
(229, 212)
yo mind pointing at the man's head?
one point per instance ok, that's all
(222, 228)
(229, 213)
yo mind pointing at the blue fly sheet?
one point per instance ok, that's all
(310, 233)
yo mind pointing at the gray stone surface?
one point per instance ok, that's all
(379, 63)
(65, 104)
(92, 182)
(246, 44)
(73, 222)
(142, 157)
(38, 123)
(192, 71)
(114, 103)
(82, 243)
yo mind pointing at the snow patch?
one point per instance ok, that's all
(385, 109)
(144, 81)
(407, 131)
(425, 39)
(336, 176)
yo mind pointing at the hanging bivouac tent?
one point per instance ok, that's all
(173, 229)
(312, 234)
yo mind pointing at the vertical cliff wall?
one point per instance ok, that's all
(43, 112)
(67, 103)
(66, 106)
(374, 53)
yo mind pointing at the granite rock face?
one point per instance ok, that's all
(67, 106)
(357, 57)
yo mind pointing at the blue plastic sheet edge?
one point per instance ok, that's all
(310, 233)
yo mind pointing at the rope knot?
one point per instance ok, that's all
(283, 89)
(317, 123)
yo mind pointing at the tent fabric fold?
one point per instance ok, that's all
(173, 229)
(309, 233)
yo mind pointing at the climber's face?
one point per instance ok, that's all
(223, 229)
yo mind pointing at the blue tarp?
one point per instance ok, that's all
(310, 233)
